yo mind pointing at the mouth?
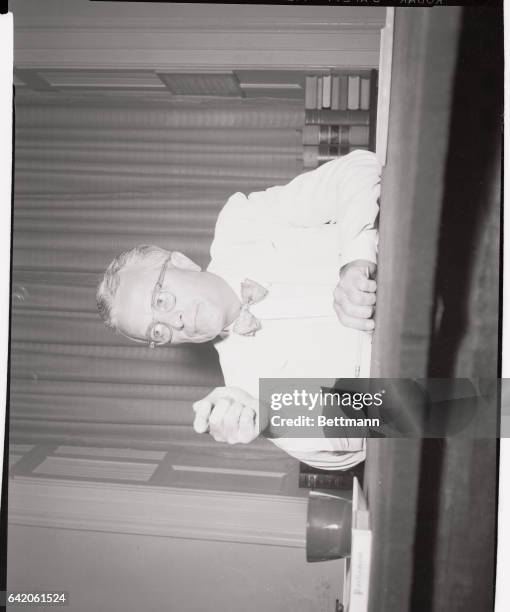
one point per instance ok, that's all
(195, 318)
(199, 325)
(190, 321)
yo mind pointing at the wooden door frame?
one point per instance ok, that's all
(225, 516)
(186, 37)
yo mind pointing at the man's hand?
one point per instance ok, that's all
(229, 414)
(355, 295)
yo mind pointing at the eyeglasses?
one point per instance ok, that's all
(161, 301)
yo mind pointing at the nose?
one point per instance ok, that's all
(175, 319)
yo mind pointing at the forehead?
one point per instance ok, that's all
(133, 300)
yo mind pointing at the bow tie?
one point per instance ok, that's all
(251, 293)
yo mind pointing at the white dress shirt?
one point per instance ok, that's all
(293, 240)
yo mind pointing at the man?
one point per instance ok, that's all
(289, 293)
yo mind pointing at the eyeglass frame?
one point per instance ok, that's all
(157, 289)
(155, 292)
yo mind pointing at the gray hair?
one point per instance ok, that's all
(144, 255)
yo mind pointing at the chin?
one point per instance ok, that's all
(206, 336)
(202, 337)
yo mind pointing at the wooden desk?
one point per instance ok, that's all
(432, 502)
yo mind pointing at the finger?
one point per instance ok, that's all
(353, 310)
(218, 438)
(338, 292)
(233, 393)
(353, 322)
(231, 422)
(372, 268)
(248, 427)
(367, 268)
(359, 296)
(216, 417)
(345, 304)
(358, 279)
(355, 296)
(202, 410)
(365, 284)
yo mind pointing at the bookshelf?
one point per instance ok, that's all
(340, 114)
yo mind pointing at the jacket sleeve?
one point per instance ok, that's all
(344, 191)
(324, 453)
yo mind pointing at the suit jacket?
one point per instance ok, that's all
(293, 239)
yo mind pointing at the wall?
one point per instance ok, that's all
(109, 571)
(95, 176)
(79, 34)
(142, 547)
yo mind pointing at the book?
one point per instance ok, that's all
(315, 478)
(365, 94)
(336, 117)
(359, 135)
(353, 93)
(314, 156)
(319, 92)
(355, 135)
(310, 157)
(310, 91)
(320, 134)
(335, 92)
(326, 91)
(324, 481)
(374, 110)
(344, 91)
(357, 568)
(311, 135)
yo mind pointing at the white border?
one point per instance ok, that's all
(6, 53)
(502, 603)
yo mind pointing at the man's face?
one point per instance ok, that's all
(196, 305)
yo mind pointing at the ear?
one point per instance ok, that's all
(179, 260)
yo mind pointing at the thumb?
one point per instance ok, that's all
(371, 269)
(203, 408)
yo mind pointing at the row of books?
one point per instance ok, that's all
(322, 143)
(351, 135)
(337, 92)
(315, 478)
(324, 481)
(337, 116)
(315, 156)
